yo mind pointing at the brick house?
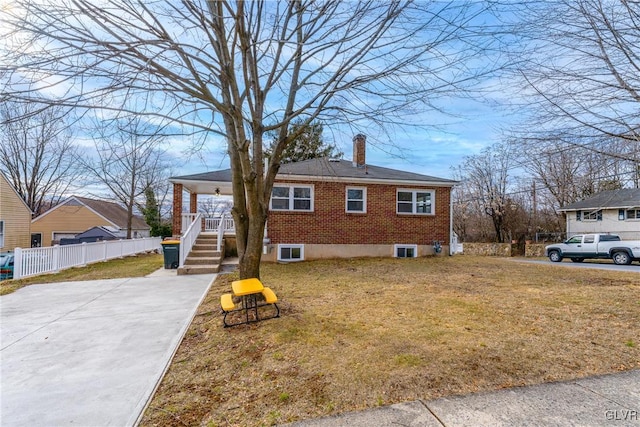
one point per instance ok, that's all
(329, 208)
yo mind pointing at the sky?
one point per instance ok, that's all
(431, 151)
(434, 152)
(472, 126)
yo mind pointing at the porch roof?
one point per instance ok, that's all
(321, 169)
(205, 183)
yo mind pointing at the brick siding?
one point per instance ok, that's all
(330, 224)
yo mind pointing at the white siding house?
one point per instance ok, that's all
(614, 211)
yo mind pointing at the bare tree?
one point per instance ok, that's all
(239, 69)
(128, 160)
(37, 153)
(215, 206)
(487, 178)
(580, 60)
(570, 172)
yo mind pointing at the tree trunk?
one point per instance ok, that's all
(129, 220)
(249, 262)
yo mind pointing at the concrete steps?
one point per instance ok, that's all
(203, 258)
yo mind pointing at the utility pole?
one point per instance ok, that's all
(534, 222)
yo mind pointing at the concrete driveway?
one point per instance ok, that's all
(632, 268)
(91, 353)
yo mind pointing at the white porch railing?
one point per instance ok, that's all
(222, 224)
(210, 223)
(189, 237)
(34, 261)
(187, 219)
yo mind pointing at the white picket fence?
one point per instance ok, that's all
(34, 261)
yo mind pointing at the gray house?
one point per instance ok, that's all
(613, 211)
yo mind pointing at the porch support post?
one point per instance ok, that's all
(193, 202)
(177, 209)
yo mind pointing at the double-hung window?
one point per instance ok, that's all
(291, 197)
(419, 202)
(356, 200)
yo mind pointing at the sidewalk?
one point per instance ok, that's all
(608, 400)
(91, 353)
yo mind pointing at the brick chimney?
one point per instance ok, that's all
(359, 150)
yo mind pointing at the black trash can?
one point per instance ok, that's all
(171, 251)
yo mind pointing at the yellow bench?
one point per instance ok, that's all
(226, 301)
(269, 296)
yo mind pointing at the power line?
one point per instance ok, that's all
(544, 188)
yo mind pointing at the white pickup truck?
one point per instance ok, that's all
(603, 246)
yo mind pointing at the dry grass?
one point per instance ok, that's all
(132, 266)
(356, 334)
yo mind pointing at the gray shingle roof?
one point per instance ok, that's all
(325, 168)
(612, 199)
(114, 213)
(218, 176)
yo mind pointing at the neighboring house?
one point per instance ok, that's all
(15, 218)
(614, 211)
(78, 214)
(94, 234)
(326, 208)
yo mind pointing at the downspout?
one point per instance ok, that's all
(450, 223)
(265, 236)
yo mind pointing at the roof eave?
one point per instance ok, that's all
(325, 178)
(597, 208)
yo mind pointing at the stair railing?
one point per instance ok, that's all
(189, 237)
(220, 232)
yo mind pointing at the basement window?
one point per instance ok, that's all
(290, 252)
(405, 251)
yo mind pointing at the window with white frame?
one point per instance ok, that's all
(290, 252)
(2, 234)
(633, 213)
(356, 200)
(405, 251)
(291, 197)
(420, 202)
(592, 215)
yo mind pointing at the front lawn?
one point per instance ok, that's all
(356, 334)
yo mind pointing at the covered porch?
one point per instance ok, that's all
(215, 184)
(191, 224)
